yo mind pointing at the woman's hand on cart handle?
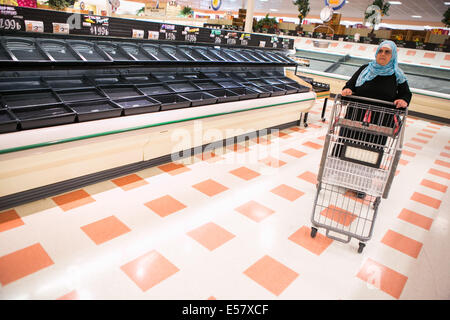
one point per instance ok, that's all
(346, 92)
(400, 103)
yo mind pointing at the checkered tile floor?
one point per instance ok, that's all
(234, 224)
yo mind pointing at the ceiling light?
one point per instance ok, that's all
(447, 3)
(416, 16)
(274, 10)
(394, 2)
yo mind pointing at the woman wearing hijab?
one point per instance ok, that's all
(381, 79)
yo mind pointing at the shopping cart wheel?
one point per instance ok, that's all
(361, 247)
(313, 232)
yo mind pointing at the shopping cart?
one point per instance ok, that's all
(359, 160)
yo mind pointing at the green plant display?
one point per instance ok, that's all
(60, 4)
(141, 11)
(446, 19)
(303, 8)
(186, 11)
(266, 23)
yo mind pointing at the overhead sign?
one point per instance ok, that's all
(215, 4)
(335, 4)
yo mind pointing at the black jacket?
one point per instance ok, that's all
(381, 87)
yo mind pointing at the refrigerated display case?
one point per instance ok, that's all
(63, 96)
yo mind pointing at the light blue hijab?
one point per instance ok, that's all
(374, 69)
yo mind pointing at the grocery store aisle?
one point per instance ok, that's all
(234, 225)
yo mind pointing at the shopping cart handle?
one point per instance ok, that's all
(371, 101)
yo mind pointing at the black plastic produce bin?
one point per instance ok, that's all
(4, 55)
(115, 51)
(211, 54)
(138, 105)
(245, 93)
(262, 93)
(108, 79)
(157, 53)
(44, 116)
(182, 86)
(154, 89)
(140, 79)
(272, 81)
(172, 101)
(247, 76)
(88, 50)
(175, 52)
(289, 89)
(206, 85)
(18, 99)
(137, 52)
(285, 80)
(68, 82)
(227, 84)
(95, 110)
(271, 74)
(224, 95)
(8, 123)
(22, 83)
(120, 91)
(25, 49)
(298, 86)
(58, 50)
(193, 54)
(199, 98)
(275, 90)
(258, 82)
(73, 95)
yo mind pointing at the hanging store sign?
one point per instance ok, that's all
(215, 4)
(335, 4)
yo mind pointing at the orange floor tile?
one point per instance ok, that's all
(22, 263)
(254, 211)
(382, 277)
(73, 200)
(9, 220)
(211, 235)
(105, 229)
(402, 243)
(271, 274)
(235, 224)
(316, 245)
(148, 270)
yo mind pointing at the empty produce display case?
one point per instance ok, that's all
(69, 79)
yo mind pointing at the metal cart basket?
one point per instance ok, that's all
(359, 160)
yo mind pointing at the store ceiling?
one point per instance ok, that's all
(429, 10)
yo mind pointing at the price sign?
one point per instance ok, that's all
(98, 26)
(34, 26)
(190, 34)
(61, 28)
(245, 38)
(139, 34)
(169, 32)
(153, 35)
(231, 38)
(10, 24)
